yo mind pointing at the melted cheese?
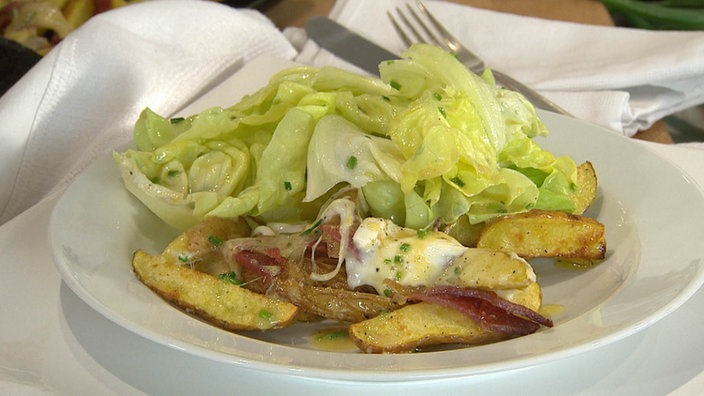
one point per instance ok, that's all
(382, 250)
(345, 209)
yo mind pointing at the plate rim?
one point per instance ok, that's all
(75, 285)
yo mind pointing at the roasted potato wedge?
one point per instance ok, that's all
(539, 233)
(77, 12)
(530, 296)
(466, 233)
(204, 238)
(586, 187)
(217, 301)
(333, 303)
(583, 196)
(418, 325)
(488, 269)
(426, 324)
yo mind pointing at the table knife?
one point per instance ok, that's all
(347, 44)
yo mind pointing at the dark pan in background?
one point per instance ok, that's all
(15, 60)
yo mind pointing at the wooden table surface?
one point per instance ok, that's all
(286, 13)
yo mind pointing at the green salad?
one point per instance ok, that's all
(425, 144)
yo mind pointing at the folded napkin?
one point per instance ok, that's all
(622, 79)
(83, 98)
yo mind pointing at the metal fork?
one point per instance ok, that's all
(413, 29)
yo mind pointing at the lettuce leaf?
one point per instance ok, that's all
(428, 142)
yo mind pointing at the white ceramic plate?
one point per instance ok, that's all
(653, 216)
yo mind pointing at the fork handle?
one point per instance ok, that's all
(533, 97)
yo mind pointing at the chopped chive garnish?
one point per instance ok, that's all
(388, 292)
(457, 181)
(422, 233)
(332, 335)
(176, 120)
(395, 85)
(312, 228)
(154, 179)
(173, 172)
(442, 112)
(437, 96)
(405, 247)
(230, 277)
(398, 259)
(352, 162)
(215, 241)
(183, 259)
(287, 186)
(264, 314)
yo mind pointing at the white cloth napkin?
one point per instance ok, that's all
(622, 79)
(83, 98)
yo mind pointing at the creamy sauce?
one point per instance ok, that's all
(382, 250)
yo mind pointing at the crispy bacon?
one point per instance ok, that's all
(486, 308)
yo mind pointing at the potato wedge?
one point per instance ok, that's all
(204, 238)
(78, 12)
(465, 232)
(487, 269)
(583, 196)
(586, 187)
(530, 296)
(418, 325)
(217, 301)
(333, 303)
(539, 233)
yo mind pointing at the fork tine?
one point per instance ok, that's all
(401, 33)
(432, 36)
(408, 32)
(444, 39)
(429, 30)
(448, 40)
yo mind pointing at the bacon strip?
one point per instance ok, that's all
(486, 308)
(258, 262)
(331, 240)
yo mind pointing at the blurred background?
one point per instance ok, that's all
(31, 28)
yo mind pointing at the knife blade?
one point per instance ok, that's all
(347, 44)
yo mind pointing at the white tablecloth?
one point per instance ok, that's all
(51, 342)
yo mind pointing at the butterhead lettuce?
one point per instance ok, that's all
(428, 142)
